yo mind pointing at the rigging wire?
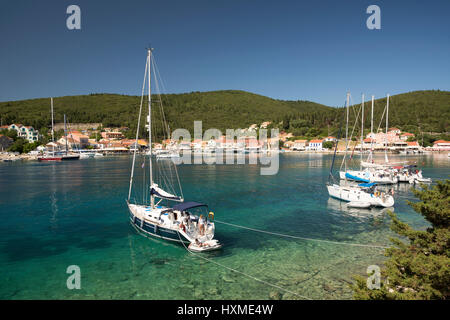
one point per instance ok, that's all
(304, 238)
(240, 272)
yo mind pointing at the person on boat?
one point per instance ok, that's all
(198, 243)
(201, 225)
(182, 226)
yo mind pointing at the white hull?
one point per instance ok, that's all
(354, 194)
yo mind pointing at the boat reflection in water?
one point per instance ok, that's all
(335, 205)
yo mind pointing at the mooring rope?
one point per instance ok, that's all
(303, 238)
(240, 272)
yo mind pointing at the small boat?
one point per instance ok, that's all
(205, 246)
(167, 154)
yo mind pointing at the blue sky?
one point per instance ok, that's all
(308, 50)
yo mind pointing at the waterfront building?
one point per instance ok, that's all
(441, 145)
(26, 132)
(315, 145)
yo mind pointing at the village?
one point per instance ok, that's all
(113, 141)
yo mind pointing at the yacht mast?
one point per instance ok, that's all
(362, 131)
(152, 197)
(65, 131)
(53, 134)
(346, 132)
(371, 129)
(137, 132)
(387, 122)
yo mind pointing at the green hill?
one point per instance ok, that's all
(217, 109)
(415, 112)
(232, 109)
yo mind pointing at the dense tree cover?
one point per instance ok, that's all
(419, 111)
(418, 268)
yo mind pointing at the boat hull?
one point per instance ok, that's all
(151, 229)
(43, 159)
(350, 194)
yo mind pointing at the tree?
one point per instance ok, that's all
(418, 269)
(328, 145)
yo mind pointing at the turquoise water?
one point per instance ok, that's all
(74, 213)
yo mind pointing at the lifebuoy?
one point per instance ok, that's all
(211, 215)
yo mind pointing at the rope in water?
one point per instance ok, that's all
(240, 272)
(303, 238)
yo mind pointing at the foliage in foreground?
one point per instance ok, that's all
(418, 269)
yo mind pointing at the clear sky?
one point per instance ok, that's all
(308, 50)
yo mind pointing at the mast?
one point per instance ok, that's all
(387, 123)
(346, 132)
(362, 131)
(371, 129)
(137, 132)
(65, 131)
(53, 134)
(152, 197)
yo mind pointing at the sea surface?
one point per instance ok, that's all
(55, 215)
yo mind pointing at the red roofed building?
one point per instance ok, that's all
(315, 145)
(412, 145)
(441, 145)
(404, 136)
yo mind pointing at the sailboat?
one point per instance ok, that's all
(184, 222)
(371, 173)
(363, 195)
(51, 156)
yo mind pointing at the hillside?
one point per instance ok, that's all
(233, 109)
(217, 109)
(415, 112)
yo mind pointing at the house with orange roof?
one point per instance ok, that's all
(330, 138)
(315, 145)
(406, 135)
(299, 145)
(412, 145)
(441, 145)
(395, 130)
(112, 135)
(80, 140)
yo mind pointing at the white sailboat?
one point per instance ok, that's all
(363, 195)
(371, 173)
(188, 222)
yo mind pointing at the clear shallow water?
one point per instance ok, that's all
(74, 213)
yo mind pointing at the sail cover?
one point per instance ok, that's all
(160, 193)
(349, 176)
(188, 205)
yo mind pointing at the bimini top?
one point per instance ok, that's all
(367, 185)
(188, 205)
